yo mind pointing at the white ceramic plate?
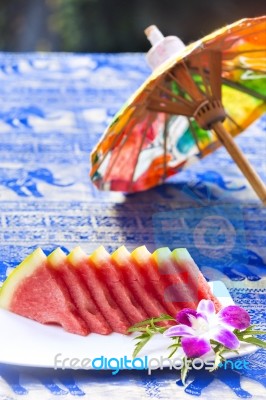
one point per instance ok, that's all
(28, 343)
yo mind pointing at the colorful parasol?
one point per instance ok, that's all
(203, 96)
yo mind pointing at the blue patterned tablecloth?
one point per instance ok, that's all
(54, 108)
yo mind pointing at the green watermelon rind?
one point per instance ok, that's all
(164, 254)
(181, 254)
(21, 272)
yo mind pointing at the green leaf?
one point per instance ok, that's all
(250, 327)
(176, 340)
(231, 351)
(143, 336)
(142, 323)
(174, 350)
(140, 345)
(249, 331)
(256, 342)
(137, 329)
(218, 357)
(150, 331)
(217, 361)
(184, 371)
(215, 342)
(152, 325)
(161, 330)
(174, 345)
(167, 317)
(150, 321)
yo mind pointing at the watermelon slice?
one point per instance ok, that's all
(183, 262)
(179, 285)
(149, 269)
(136, 282)
(99, 291)
(80, 294)
(113, 278)
(33, 291)
(186, 284)
(175, 278)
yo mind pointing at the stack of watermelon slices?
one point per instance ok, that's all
(104, 293)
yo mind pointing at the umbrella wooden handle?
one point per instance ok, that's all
(240, 159)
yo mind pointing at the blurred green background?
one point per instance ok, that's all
(112, 25)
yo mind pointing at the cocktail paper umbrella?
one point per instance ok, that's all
(198, 99)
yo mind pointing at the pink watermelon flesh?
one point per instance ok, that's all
(83, 300)
(113, 279)
(137, 284)
(156, 284)
(184, 284)
(174, 278)
(196, 283)
(102, 297)
(179, 284)
(44, 297)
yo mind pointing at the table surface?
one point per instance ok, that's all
(54, 109)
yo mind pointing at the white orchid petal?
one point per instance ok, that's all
(207, 309)
(179, 330)
(225, 337)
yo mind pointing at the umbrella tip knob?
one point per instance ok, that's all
(154, 35)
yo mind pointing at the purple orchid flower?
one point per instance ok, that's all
(198, 327)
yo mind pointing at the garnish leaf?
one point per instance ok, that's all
(140, 345)
(256, 342)
(184, 372)
(254, 333)
(137, 329)
(173, 351)
(151, 321)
